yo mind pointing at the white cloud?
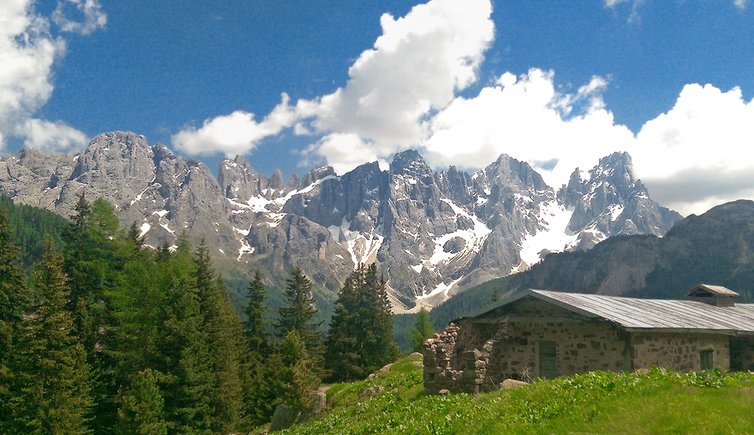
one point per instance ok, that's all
(90, 16)
(740, 4)
(28, 52)
(415, 67)
(345, 150)
(692, 157)
(237, 133)
(528, 119)
(54, 136)
(704, 140)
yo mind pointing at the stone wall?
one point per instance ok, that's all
(478, 354)
(742, 353)
(678, 351)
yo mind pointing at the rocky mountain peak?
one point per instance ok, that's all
(409, 163)
(237, 179)
(317, 174)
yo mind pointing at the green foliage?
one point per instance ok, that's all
(13, 302)
(360, 338)
(298, 375)
(54, 377)
(30, 226)
(298, 313)
(143, 408)
(658, 401)
(422, 330)
(256, 330)
(224, 339)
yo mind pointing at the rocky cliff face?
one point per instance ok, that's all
(433, 233)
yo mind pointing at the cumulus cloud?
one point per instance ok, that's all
(414, 68)
(345, 150)
(705, 138)
(88, 13)
(740, 4)
(28, 52)
(54, 136)
(237, 133)
(528, 119)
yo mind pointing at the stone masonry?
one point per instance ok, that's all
(476, 354)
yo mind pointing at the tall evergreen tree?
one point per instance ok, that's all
(55, 377)
(224, 338)
(380, 347)
(298, 313)
(422, 330)
(299, 374)
(257, 334)
(143, 408)
(360, 339)
(343, 359)
(13, 301)
(184, 353)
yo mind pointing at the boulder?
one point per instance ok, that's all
(510, 384)
(283, 418)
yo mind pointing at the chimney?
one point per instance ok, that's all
(716, 295)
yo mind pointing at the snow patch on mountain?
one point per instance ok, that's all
(554, 235)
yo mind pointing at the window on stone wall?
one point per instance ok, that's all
(706, 360)
(548, 366)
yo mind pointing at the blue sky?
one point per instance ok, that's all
(490, 77)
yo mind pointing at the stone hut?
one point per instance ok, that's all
(547, 334)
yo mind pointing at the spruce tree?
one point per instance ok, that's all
(143, 408)
(298, 313)
(342, 348)
(422, 330)
(224, 339)
(360, 339)
(257, 334)
(55, 378)
(380, 347)
(13, 302)
(299, 374)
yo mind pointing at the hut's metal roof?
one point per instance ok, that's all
(654, 314)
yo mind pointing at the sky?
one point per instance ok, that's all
(293, 84)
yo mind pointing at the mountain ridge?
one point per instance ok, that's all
(432, 232)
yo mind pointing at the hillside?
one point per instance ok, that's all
(30, 226)
(715, 247)
(601, 402)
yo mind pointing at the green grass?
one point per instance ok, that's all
(658, 401)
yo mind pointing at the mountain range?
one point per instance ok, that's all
(433, 233)
(716, 247)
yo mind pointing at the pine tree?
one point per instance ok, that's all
(298, 313)
(256, 330)
(55, 377)
(13, 301)
(380, 347)
(224, 339)
(143, 408)
(360, 339)
(422, 330)
(343, 359)
(299, 378)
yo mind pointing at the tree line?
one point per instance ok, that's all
(104, 335)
